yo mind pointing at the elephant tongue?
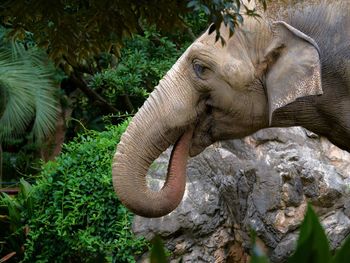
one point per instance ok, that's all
(176, 177)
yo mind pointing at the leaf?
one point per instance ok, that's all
(192, 3)
(25, 190)
(26, 82)
(217, 37)
(13, 208)
(238, 5)
(264, 4)
(226, 18)
(239, 18)
(312, 244)
(343, 253)
(206, 10)
(158, 254)
(75, 210)
(212, 28)
(232, 28)
(223, 42)
(259, 259)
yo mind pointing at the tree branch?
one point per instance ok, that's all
(80, 83)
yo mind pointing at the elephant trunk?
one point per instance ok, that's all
(158, 124)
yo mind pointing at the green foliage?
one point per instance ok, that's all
(77, 216)
(158, 252)
(20, 159)
(27, 93)
(197, 22)
(28, 101)
(312, 246)
(75, 31)
(14, 221)
(144, 61)
(224, 11)
(342, 254)
(312, 243)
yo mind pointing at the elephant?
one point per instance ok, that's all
(282, 73)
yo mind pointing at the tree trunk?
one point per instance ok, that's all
(54, 143)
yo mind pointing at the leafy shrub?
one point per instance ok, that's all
(20, 157)
(14, 214)
(76, 214)
(126, 83)
(143, 61)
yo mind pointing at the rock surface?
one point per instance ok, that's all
(262, 182)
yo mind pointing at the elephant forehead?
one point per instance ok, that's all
(203, 48)
(219, 55)
(238, 46)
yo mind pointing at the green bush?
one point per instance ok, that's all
(14, 215)
(20, 158)
(76, 214)
(126, 83)
(143, 61)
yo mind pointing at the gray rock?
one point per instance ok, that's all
(337, 226)
(262, 182)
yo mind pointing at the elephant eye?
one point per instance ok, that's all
(199, 70)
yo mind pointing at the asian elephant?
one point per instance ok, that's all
(268, 74)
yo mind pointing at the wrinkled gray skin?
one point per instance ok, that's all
(268, 74)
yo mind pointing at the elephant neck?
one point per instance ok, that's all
(318, 116)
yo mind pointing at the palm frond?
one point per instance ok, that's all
(29, 94)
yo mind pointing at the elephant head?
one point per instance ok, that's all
(213, 92)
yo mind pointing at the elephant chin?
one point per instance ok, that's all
(196, 149)
(199, 144)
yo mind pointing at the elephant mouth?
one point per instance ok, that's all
(200, 141)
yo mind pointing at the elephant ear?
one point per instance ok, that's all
(293, 67)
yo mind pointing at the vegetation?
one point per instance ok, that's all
(77, 35)
(28, 95)
(14, 216)
(119, 83)
(71, 214)
(76, 214)
(144, 60)
(76, 32)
